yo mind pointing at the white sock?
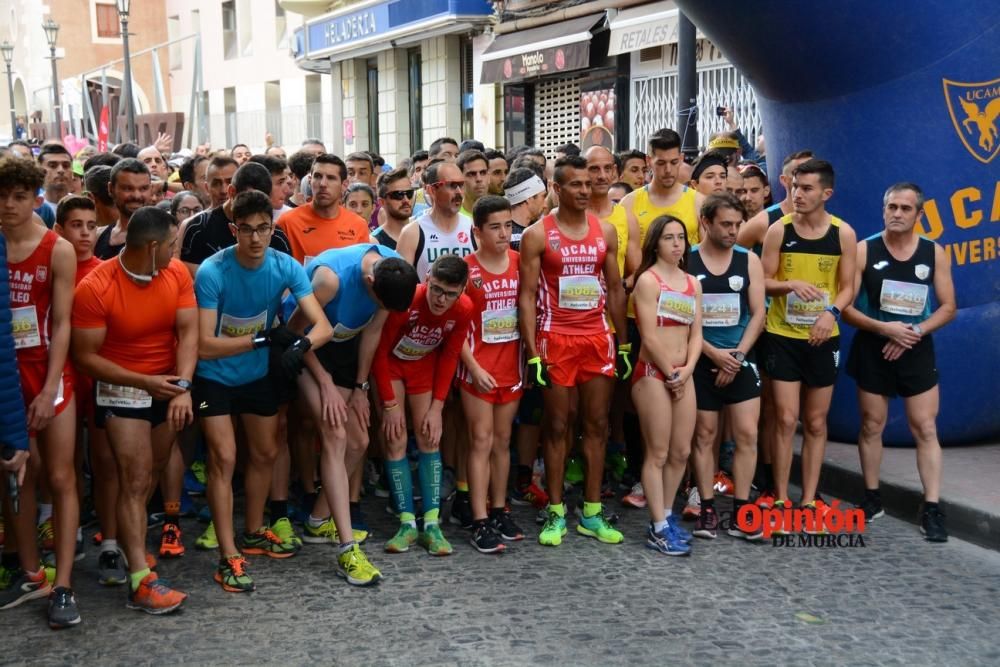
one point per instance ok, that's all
(659, 526)
(344, 548)
(79, 534)
(109, 545)
(667, 514)
(314, 522)
(44, 512)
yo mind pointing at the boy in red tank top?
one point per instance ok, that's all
(42, 268)
(569, 278)
(491, 372)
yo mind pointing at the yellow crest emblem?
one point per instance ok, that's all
(975, 113)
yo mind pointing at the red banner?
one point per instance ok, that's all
(102, 131)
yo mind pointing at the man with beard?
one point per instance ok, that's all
(129, 187)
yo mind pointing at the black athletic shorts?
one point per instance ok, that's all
(795, 360)
(213, 399)
(744, 387)
(913, 373)
(286, 389)
(341, 361)
(529, 411)
(155, 414)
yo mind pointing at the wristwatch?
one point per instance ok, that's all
(916, 328)
(363, 386)
(738, 356)
(182, 383)
(833, 310)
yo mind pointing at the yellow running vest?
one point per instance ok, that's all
(619, 221)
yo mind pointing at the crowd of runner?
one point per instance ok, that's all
(465, 331)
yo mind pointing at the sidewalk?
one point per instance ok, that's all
(970, 487)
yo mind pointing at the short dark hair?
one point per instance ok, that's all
(101, 159)
(438, 143)
(222, 161)
(148, 224)
(395, 281)
(359, 187)
(187, 171)
(361, 156)
(53, 149)
(390, 176)
(235, 146)
(470, 156)
(127, 149)
(533, 152)
(71, 203)
(129, 165)
(252, 176)
(512, 154)
(377, 160)
(450, 269)
(900, 187)
(565, 164)
(494, 154)
(569, 150)
(472, 145)
(330, 158)
(273, 163)
(624, 156)
(18, 172)
(178, 199)
(419, 156)
(822, 168)
(797, 155)
(524, 162)
(664, 140)
(96, 181)
(624, 186)
(251, 202)
(313, 142)
(300, 163)
(19, 142)
(716, 202)
(486, 206)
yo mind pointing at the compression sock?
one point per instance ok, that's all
(429, 470)
(400, 483)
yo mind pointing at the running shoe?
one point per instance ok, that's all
(98, 538)
(208, 540)
(553, 530)
(433, 540)
(232, 575)
(681, 533)
(22, 587)
(111, 568)
(170, 542)
(932, 525)
(485, 539)
(636, 497)
(872, 507)
(766, 499)
(198, 470)
(723, 484)
(354, 566)
(286, 533)
(574, 470)
(820, 509)
(692, 509)
(707, 525)
(49, 557)
(6, 576)
(461, 511)
(615, 462)
(598, 527)
(404, 538)
(749, 536)
(155, 519)
(264, 542)
(780, 505)
(532, 495)
(63, 612)
(191, 483)
(46, 535)
(666, 542)
(327, 532)
(154, 597)
(503, 525)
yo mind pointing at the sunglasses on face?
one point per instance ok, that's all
(399, 195)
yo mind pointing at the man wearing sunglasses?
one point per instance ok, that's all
(442, 230)
(396, 195)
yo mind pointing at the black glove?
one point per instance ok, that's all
(280, 337)
(623, 365)
(291, 358)
(538, 374)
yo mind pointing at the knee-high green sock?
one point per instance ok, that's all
(429, 468)
(401, 487)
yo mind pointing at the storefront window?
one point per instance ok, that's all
(515, 127)
(467, 82)
(373, 105)
(416, 101)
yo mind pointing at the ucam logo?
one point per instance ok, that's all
(975, 111)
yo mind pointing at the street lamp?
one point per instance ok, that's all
(8, 55)
(51, 29)
(123, 7)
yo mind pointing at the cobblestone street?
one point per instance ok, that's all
(898, 601)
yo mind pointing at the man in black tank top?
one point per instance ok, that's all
(131, 189)
(732, 285)
(892, 353)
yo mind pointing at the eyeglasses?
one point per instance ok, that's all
(440, 292)
(187, 212)
(248, 231)
(454, 185)
(400, 195)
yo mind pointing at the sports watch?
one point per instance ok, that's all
(833, 310)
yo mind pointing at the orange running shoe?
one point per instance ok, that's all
(154, 597)
(532, 494)
(170, 541)
(692, 508)
(232, 575)
(150, 561)
(265, 543)
(98, 538)
(766, 499)
(724, 484)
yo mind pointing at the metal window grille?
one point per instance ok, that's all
(557, 113)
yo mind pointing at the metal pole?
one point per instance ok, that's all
(13, 112)
(687, 86)
(127, 87)
(55, 95)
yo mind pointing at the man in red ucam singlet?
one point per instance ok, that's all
(569, 278)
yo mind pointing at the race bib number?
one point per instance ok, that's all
(24, 322)
(676, 306)
(720, 310)
(500, 326)
(120, 396)
(804, 313)
(579, 292)
(408, 349)
(899, 298)
(234, 327)
(342, 333)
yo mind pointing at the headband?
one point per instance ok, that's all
(706, 161)
(524, 190)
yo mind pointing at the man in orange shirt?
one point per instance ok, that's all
(135, 331)
(324, 223)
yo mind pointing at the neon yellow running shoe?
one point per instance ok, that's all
(284, 530)
(553, 530)
(354, 566)
(404, 538)
(598, 527)
(327, 532)
(434, 541)
(208, 540)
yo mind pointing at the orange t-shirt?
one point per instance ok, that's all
(140, 321)
(309, 235)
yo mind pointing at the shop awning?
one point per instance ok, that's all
(550, 49)
(643, 27)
